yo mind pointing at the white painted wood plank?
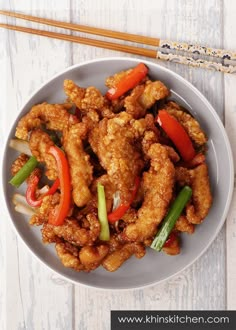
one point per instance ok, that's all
(230, 122)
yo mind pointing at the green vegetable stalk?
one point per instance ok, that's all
(102, 214)
(24, 172)
(171, 218)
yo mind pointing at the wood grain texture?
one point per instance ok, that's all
(39, 298)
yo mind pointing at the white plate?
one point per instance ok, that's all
(154, 267)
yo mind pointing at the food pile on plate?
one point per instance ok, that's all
(108, 176)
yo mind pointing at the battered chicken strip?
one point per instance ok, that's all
(117, 257)
(73, 232)
(87, 99)
(202, 198)
(55, 116)
(113, 142)
(143, 98)
(39, 144)
(80, 168)
(188, 122)
(158, 186)
(201, 202)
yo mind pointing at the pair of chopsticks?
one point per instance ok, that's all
(178, 52)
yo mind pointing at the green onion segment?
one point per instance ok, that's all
(102, 214)
(24, 172)
(171, 218)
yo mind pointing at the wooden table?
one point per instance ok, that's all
(31, 296)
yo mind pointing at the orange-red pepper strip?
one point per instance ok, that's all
(52, 189)
(128, 82)
(177, 134)
(59, 213)
(31, 191)
(123, 207)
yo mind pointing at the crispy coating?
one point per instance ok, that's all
(42, 213)
(202, 198)
(143, 97)
(113, 142)
(54, 116)
(73, 232)
(117, 257)
(80, 168)
(69, 256)
(198, 179)
(18, 163)
(183, 225)
(158, 186)
(85, 259)
(39, 144)
(92, 256)
(87, 100)
(74, 92)
(116, 78)
(188, 122)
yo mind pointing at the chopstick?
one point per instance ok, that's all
(184, 53)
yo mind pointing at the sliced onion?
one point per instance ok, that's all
(21, 146)
(116, 200)
(21, 205)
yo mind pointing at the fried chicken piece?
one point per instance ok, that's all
(198, 180)
(117, 257)
(87, 99)
(18, 163)
(113, 142)
(48, 234)
(183, 225)
(39, 144)
(158, 186)
(55, 116)
(42, 213)
(201, 196)
(80, 168)
(109, 187)
(143, 98)
(174, 247)
(69, 256)
(74, 92)
(188, 122)
(85, 259)
(73, 232)
(92, 256)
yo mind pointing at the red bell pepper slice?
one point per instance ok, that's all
(59, 213)
(128, 82)
(53, 188)
(123, 207)
(31, 191)
(177, 134)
